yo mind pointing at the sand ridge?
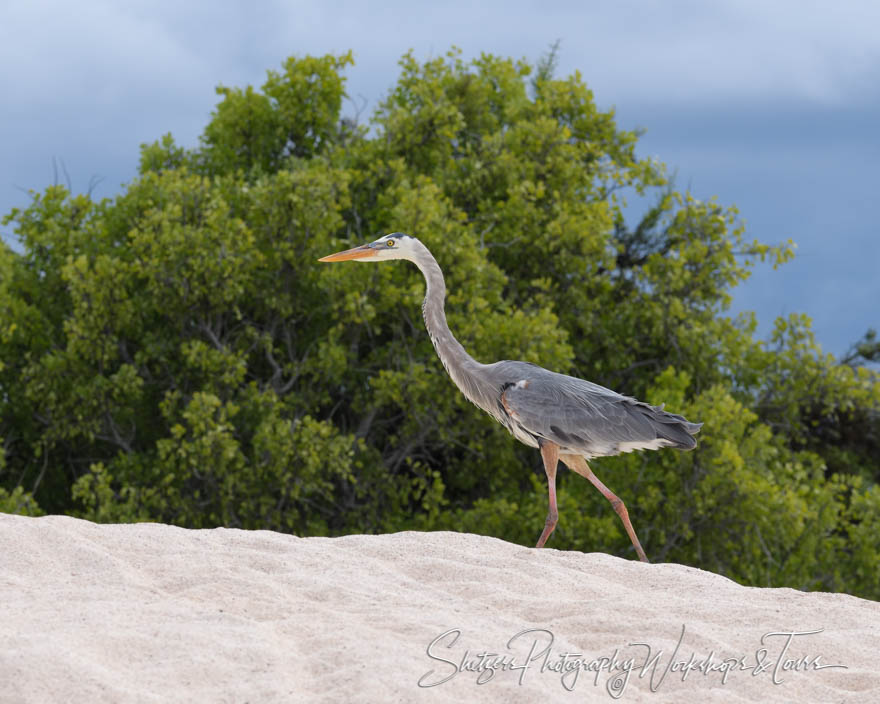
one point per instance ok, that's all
(155, 613)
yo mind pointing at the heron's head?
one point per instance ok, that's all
(393, 246)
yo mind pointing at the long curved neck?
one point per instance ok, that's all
(462, 368)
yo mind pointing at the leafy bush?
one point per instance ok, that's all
(177, 354)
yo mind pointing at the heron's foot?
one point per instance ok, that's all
(549, 526)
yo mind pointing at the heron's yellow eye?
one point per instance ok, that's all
(390, 243)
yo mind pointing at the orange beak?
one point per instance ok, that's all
(361, 252)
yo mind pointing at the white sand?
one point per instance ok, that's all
(153, 613)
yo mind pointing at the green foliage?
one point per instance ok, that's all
(18, 501)
(866, 350)
(177, 354)
(296, 114)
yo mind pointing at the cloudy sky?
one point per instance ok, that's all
(771, 106)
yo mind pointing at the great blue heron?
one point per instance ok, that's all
(564, 417)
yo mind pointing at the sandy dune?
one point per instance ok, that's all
(153, 613)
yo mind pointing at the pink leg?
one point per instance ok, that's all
(578, 464)
(550, 455)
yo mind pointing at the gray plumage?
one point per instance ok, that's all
(534, 403)
(566, 417)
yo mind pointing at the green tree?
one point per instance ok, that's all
(177, 354)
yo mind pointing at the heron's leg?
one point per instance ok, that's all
(578, 464)
(550, 455)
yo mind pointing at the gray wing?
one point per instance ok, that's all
(588, 419)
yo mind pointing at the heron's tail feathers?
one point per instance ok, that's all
(672, 427)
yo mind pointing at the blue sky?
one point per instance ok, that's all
(773, 107)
